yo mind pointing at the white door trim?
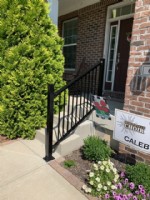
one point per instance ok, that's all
(107, 37)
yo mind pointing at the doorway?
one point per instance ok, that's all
(117, 46)
(123, 51)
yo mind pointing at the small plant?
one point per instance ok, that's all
(69, 163)
(102, 179)
(139, 174)
(95, 149)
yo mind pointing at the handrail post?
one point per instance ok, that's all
(49, 129)
(101, 77)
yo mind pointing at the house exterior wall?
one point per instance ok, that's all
(91, 31)
(137, 95)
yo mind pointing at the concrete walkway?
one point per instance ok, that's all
(26, 176)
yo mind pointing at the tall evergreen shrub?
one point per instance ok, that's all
(30, 58)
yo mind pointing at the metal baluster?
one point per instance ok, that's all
(68, 110)
(72, 112)
(80, 98)
(92, 82)
(64, 108)
(59, 111)
(88, 91)
(77, 86)
(95, 80)
(84, 95)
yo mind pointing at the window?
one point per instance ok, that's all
(70, 43)
(125, 10)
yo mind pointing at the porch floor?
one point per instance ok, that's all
(113, 104)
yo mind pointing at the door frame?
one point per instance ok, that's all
(107, 38)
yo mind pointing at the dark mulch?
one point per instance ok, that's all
(3, 139)
(83, 166)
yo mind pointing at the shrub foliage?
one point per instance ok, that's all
(95, 149)
(30, 58)
(139, 174)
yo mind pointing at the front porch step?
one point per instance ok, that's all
(74, 141)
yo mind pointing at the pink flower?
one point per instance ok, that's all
(135, 198)
(137, 192)
(119, 186)
(140, 187)
(131, 185)
(142, 191)
(122, 175)
(107, 196)
(126, 181)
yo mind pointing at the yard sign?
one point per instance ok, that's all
(132, 130)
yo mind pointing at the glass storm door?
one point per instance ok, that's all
(111, 55)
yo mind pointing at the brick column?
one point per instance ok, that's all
(137, 95)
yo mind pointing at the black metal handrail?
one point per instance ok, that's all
(74, 104)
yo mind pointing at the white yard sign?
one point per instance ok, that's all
(132, 130)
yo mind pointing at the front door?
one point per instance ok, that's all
(122, 55)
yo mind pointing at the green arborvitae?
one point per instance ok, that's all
(30, 59)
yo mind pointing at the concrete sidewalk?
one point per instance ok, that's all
(26, 176)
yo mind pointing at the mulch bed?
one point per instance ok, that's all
(83, 166)
(3, 139)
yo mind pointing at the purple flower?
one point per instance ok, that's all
(113, 193)
(122, 175)
(137, 192)
(142, 191)
(131, 185)
(107, 196)
(140, 187)
(126, 181)
(119, 186)
(130, 195)
(135, 198)
(125, 197)
(118, 197)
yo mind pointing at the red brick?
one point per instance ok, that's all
(144, 99)
(147, 115)
(145, 156)
(137, 103)
(143, 110)
(147, 105)
(146, 2)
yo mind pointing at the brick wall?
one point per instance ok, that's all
(91, 32)
(137, 95)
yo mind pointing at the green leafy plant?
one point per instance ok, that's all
(30, 59)
(139, 174)
(95, 149)
(102, 179)
(69, 163)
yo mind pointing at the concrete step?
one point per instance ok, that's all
(73, 141)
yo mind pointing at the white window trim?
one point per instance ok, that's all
(67, 45)
(107, 36)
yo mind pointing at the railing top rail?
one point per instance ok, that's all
(78, 78)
